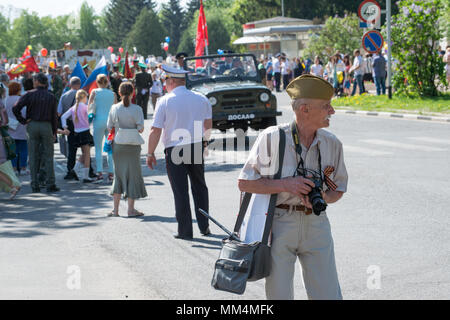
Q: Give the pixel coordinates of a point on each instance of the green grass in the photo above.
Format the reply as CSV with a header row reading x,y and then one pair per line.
x,y
398,104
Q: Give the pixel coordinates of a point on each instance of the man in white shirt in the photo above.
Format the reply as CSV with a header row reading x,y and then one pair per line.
x,y
184,118
277,71
357,68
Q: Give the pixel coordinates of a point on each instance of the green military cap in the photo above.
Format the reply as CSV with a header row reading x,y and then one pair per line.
x,y
85,66
142,65
310,87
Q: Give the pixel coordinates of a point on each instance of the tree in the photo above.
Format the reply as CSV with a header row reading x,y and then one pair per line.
x,y
88,32
171,17
26,30
146,34
120,16
218,34
341,34
4,34
415,37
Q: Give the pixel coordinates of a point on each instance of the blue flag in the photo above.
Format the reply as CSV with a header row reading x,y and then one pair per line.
x,y
78,72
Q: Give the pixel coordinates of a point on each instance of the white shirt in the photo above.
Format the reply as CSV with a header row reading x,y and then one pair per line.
x,y
156,87
276,65
358,62
181,115
317,70
285,68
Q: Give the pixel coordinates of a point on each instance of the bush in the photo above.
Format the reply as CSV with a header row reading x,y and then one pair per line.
x,y
415,39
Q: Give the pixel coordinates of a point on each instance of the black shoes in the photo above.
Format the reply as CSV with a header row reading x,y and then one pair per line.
x,y
53,188
178,236
71,175
207,232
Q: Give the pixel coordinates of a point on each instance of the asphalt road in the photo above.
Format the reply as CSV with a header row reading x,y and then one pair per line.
x,y
390,229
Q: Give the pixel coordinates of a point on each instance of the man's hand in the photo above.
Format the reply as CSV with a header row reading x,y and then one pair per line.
x,y
298,186
151,161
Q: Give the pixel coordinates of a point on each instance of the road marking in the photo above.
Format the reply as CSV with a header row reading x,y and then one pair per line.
x,y
366,151
401,145
431,140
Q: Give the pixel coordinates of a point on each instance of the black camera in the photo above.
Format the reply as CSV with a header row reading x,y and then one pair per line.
x,y
315,197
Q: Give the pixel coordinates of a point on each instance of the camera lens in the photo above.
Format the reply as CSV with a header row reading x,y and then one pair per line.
x,y
317,202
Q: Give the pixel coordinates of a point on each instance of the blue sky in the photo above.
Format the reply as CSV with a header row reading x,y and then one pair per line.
x,y
58,7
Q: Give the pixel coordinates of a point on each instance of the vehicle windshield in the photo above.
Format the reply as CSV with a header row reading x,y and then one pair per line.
x,y
221,68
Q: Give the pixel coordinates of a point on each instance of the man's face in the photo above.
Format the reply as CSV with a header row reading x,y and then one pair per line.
x,y
319,113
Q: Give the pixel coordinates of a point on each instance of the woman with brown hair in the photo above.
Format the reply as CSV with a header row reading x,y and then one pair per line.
x,y
100,103
83,137
127,119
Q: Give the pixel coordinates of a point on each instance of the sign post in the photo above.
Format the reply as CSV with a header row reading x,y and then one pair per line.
x,y
389,49
372,41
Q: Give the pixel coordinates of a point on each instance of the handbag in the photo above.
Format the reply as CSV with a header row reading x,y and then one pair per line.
x,y
128,136
240,262
9,143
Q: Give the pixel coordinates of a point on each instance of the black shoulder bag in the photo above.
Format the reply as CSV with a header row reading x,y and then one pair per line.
x,y
241,262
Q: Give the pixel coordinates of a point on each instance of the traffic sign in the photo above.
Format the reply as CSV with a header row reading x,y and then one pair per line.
x,y
369,11
372,41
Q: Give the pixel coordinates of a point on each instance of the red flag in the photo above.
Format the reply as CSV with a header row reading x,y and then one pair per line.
x,y
26,54
202,35
126,70
29,65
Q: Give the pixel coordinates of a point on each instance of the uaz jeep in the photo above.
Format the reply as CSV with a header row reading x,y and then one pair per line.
x,y
233,85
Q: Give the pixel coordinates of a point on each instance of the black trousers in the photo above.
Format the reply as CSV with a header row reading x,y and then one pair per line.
x,y
277,80
182,163
142,101
285,81
72,156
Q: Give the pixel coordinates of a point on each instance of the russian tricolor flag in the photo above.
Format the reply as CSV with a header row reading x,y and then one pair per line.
x,y
90,84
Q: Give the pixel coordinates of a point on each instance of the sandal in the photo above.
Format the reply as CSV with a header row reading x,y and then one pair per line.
x,y
110,177
112,214
14,191
135,213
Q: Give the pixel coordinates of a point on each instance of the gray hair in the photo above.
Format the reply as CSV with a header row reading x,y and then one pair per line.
x,y
75,81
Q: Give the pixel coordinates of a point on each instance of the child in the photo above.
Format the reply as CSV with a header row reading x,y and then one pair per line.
x,y
79,115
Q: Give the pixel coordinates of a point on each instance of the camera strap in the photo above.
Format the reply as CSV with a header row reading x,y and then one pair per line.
x,y
298,149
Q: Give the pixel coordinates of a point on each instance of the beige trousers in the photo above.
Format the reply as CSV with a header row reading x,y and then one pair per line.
x,y
308,237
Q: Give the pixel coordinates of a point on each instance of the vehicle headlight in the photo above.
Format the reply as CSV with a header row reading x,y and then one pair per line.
x,y
213,101
264,97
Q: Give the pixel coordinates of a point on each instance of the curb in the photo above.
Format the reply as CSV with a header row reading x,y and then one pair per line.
x,y
394,115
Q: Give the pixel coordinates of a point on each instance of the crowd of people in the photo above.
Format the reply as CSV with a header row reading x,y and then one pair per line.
x,y
37,110
344,72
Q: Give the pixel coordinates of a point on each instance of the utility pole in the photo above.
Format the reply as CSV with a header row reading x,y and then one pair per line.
x,y
389,53
282,8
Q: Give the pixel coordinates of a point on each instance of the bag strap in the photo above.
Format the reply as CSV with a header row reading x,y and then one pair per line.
x,y
273,198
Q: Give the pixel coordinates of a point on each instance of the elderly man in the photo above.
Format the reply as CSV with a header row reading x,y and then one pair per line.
x,y
297,231
41,118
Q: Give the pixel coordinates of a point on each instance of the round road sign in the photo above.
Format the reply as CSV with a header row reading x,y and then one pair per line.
x,y
369,11
372,41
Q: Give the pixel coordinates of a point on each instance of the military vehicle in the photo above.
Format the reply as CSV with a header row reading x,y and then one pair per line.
x,y
233,86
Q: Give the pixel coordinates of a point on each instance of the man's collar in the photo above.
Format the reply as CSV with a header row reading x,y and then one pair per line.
x,y
179,88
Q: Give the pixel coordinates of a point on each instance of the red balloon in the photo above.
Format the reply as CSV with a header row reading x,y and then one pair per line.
x,y
44,52
121,50
111,49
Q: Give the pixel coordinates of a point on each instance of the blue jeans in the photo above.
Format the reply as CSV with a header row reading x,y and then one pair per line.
x,y
380,84
21,160
358,81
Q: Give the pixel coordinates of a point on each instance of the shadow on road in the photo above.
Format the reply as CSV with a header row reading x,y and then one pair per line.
x,y
32,215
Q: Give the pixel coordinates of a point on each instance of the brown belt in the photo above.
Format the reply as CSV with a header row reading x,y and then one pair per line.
x,y
295,208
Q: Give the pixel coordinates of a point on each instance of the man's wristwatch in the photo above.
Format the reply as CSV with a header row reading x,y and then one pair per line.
x,y
150,155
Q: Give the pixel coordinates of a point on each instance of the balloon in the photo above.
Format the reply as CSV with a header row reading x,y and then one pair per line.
x,y
44,52
30,47
166,48
52,64
166,45
219,51
121,50
110,49
167,39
